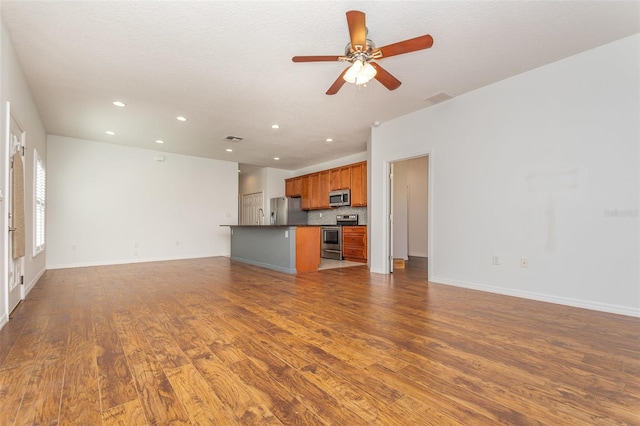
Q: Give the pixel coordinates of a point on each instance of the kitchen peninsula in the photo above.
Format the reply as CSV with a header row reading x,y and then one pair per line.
x,y
285,248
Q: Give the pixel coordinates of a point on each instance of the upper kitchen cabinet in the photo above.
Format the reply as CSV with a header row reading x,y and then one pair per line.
x,y
340,178
314,188
359,184
293,187
314,191
306,193
325,184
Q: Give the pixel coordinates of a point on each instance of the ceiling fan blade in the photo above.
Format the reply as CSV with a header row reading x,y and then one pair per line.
x,y
314,58
338,83
411,45
384,77
357,30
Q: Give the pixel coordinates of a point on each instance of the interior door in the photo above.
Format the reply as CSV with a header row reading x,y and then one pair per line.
x,y
252,210
15,198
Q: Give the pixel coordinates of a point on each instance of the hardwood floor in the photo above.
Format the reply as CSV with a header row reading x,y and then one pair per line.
x,y
210,341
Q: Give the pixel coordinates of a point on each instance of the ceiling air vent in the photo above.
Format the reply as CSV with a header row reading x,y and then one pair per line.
x,y
233,138
438,97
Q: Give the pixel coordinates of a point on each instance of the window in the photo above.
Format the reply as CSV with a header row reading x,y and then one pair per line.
x,y
39,204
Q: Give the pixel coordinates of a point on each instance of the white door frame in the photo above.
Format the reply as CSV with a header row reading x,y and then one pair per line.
x,y
390,216
15,267
389,210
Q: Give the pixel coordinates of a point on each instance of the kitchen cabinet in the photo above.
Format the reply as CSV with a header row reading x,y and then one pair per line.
x,y
314,191
305,203
307,248
293,187
323,191
359,184
314,188
340,178
354,243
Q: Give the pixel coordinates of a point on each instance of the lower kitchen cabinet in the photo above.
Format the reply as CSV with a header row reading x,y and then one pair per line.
x,y
354,243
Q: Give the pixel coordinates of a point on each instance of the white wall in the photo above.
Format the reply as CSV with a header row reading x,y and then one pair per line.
x,y
113,204
267,180
14,89
532,166
400,211
355,158
417,202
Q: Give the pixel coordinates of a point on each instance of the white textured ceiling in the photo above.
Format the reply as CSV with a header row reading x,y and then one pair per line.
x,y
226,66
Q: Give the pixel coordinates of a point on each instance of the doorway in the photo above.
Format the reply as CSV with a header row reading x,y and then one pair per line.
x,y
252,209
409,214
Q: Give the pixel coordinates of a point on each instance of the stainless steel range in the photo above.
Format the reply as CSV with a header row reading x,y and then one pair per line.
x,y
332,236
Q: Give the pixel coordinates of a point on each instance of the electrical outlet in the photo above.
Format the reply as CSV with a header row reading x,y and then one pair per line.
x,y
496,260
524,262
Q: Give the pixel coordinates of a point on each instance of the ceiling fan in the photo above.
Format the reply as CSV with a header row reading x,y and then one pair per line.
x,y
361,52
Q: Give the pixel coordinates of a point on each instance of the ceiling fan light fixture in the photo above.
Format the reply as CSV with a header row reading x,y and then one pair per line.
x,y
360,72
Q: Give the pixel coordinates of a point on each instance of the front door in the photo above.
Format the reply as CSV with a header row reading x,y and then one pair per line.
x,y
15,198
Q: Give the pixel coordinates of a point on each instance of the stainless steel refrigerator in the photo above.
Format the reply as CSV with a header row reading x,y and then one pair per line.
x,y
287,211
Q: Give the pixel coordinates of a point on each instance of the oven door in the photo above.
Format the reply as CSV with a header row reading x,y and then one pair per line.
x,y
331,247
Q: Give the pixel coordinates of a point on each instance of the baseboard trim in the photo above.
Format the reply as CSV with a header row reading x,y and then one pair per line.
x,y
542,297
33,282
129,261
4,319
265,265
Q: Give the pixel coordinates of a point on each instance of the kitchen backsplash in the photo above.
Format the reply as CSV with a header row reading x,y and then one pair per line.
x,y
329,216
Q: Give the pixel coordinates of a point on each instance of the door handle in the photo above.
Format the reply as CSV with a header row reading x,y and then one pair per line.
x,y
12,229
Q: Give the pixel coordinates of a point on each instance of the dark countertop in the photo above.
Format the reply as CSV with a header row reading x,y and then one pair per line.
x,y
271,226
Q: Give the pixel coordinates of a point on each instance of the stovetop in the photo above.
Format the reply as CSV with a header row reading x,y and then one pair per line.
x,y
346,219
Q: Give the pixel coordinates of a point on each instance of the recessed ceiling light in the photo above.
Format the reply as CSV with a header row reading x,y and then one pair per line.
x,y
181,118
229,150
328,140
275,126
111,133
276,158
159,141
119,104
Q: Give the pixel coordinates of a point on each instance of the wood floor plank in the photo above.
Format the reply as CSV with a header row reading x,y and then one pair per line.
x,y
199,400
127,414
80,402
116,382
212,341
228,387
13,385
158,399
41,404
289,409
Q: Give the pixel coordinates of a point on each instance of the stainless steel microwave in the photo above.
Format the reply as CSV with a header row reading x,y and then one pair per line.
x,y
339,198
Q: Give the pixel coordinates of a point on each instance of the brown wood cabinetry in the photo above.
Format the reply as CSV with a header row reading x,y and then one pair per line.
x,y
305,194
354,243
314,191
359,184
340,178
325,184
307,248
293,187
314,188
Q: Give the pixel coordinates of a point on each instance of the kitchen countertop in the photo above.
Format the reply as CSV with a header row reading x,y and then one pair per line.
x,y
270,226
